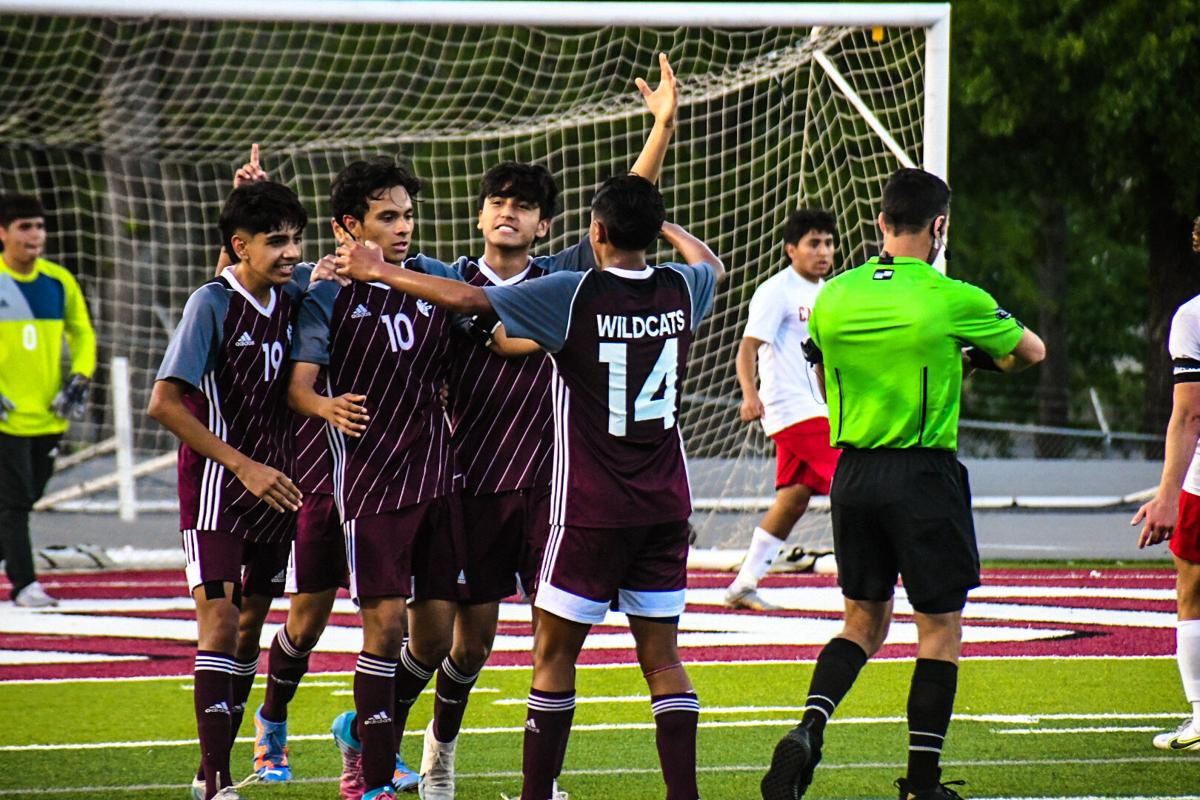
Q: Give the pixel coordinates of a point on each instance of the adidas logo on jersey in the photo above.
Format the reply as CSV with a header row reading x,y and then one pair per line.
x,y
424,307
378,718
462,577
281,577
360,312
244,340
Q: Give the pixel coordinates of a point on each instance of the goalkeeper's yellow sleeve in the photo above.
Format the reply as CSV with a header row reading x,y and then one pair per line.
x,y
36,311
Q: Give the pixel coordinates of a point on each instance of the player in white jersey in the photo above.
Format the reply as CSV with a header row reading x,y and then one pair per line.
x,y
1174,513
788,402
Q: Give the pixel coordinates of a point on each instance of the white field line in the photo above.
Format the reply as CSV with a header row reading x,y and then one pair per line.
x,y
430,691
1027,719
514,775
1105,729
771,662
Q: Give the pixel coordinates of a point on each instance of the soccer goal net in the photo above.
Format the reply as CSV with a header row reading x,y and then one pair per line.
x,y
128,120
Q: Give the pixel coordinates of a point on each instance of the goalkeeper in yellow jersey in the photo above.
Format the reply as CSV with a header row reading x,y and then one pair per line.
x,y
40,303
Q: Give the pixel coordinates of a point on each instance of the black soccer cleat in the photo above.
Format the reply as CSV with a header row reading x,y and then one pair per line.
x,y
939,791
792,765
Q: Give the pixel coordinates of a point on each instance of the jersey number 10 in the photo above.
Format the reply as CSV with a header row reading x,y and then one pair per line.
x,y
645,407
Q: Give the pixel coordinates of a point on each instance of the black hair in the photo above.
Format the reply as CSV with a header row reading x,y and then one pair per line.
x,y
19,206
632,210
799,223
531,183
913,199
363,181
260,207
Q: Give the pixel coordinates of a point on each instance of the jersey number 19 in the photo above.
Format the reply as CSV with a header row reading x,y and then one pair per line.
x,y
645,406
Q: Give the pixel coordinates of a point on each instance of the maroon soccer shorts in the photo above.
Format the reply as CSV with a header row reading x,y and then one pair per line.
x,y
640,570
417,552
803,455
260,568
1185,541
318,558
506,535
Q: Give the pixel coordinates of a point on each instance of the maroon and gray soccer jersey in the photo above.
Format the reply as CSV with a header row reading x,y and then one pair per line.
x,y
619,341
314,465
232,353
394,349
500,407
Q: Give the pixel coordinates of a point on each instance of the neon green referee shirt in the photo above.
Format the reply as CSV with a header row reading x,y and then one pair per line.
x,y
36,311
892,333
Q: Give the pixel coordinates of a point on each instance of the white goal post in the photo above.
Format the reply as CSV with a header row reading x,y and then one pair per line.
x,y
151,104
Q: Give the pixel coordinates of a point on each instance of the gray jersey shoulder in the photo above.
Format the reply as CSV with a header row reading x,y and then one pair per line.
x,y
192,352
539,309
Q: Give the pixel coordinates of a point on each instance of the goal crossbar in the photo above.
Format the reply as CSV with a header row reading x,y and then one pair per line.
x,y
491,12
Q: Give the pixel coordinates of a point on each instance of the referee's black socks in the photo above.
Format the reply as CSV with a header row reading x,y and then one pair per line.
x,y
930,704
836,670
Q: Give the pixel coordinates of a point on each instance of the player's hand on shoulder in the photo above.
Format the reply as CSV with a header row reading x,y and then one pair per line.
x,y
326,270
359,261
270,485
251,171
347,413
663,100
752,409
1159,517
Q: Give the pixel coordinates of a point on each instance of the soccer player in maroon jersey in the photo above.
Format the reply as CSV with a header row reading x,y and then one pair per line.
x,y
393,477
619,337
501,419
221,389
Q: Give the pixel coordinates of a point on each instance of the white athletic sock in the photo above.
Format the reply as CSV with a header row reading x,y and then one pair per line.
x,y
1187,653
764,547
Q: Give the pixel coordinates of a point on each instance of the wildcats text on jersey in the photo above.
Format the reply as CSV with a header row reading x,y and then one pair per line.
x,y
652,326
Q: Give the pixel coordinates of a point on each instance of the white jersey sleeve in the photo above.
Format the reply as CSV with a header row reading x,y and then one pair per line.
x,y
766,313
1184,346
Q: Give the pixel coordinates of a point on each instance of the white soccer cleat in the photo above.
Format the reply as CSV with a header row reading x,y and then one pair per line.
x,y
199,788
558,794
437,768
747,598
1185,737
34,596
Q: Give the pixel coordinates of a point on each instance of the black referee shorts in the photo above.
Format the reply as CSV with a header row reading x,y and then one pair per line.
x,y
907,513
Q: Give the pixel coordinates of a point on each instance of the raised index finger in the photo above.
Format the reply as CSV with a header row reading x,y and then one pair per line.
x,y
254,154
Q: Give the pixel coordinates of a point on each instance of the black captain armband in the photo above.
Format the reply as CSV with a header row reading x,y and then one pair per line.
x,y
481,328
812,353
981,360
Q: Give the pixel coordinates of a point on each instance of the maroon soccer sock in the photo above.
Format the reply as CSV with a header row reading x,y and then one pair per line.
x,y
411,678
374,685
547,728
213,692
675,719
930,704
286,666
450,700
243,682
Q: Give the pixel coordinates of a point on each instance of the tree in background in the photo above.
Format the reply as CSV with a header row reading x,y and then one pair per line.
x,y
1075,170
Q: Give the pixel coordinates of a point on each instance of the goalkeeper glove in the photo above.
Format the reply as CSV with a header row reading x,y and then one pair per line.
x,y
71,401
6,406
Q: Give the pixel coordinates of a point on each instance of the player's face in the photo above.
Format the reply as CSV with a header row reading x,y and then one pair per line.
x,y
511,223
389,223
812,256
268,259
24,239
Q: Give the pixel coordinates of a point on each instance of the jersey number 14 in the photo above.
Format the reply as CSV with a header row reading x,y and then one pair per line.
x,y
645,407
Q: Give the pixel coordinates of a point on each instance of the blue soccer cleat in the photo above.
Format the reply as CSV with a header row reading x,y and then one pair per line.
x,y
404,779
270,750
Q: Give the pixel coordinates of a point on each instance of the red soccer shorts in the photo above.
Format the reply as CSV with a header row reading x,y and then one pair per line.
x,y
1185,542
803,455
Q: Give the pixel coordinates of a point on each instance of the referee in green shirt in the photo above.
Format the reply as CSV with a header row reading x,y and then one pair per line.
x,y
893,339
40,306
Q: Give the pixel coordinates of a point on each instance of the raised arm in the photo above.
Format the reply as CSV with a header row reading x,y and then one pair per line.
x,y
663,103
271,485
250,172
692,249
364,262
